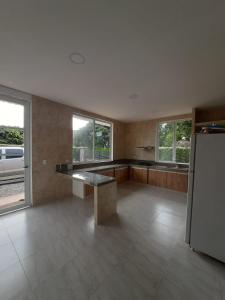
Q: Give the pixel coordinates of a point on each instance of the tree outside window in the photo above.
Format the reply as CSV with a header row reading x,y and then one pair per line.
x,y
174,141
91,140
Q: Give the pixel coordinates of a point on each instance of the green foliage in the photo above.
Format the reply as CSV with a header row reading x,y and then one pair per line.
x,y
102,136
11,135
166,136
84,138
182,155
165,154
183,130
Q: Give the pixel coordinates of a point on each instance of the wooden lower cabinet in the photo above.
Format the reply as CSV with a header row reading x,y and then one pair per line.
x,y
169,180
177,181
139,174
157,178
122,174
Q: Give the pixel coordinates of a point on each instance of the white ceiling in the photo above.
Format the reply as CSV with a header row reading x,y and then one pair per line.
x,y
170,53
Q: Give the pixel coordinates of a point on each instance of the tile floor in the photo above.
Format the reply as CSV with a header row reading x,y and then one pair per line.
x,y
55,252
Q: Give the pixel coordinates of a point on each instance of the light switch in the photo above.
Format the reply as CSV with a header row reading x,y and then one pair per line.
x,y
44,162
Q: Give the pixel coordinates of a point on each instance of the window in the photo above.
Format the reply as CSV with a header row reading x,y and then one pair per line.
x,y
92,139
174,141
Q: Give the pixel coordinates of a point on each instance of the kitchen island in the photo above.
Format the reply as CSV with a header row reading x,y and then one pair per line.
x,y
105,192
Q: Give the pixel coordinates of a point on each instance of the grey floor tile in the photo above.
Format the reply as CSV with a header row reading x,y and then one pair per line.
x,y
37,267
139,254
60,252
27,245
120,285
186,291
188,282
4,237
8,256
24,228
15,218
13,283
26,294
69,282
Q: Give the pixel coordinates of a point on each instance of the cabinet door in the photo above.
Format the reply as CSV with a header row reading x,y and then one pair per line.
x,y
139,174
177,182
121,174
157,178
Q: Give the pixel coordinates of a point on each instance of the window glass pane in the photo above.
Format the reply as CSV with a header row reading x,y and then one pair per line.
x,y
183,141
166,141
83,133
102,140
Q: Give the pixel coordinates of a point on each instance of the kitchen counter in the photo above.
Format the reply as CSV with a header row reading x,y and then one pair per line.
x,y
158,167
92,178
100,168
88,177
105,192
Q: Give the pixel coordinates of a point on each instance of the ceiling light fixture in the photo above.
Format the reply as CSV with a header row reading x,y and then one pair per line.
x,y
77,58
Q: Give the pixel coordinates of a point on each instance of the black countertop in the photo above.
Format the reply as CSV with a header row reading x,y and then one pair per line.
x,y
158,167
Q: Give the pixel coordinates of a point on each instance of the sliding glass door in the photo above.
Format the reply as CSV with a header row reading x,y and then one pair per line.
x,y
15,166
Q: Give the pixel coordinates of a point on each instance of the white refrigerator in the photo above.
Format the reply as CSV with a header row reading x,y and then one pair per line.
x,y
205,230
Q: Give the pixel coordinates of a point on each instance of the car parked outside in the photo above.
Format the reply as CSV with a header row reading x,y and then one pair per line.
x,y
11,162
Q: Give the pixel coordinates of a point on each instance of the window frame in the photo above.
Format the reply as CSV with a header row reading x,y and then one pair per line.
x,y
111,140
174,121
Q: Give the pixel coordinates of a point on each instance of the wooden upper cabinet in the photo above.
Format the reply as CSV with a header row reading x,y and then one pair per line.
x,y
139,174
170,180
122,174
204,116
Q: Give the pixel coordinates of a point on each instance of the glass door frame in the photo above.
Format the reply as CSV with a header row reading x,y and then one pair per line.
x,y
27,103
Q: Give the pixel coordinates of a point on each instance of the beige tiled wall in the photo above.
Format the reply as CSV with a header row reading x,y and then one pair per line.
x,y
140,134
52,141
